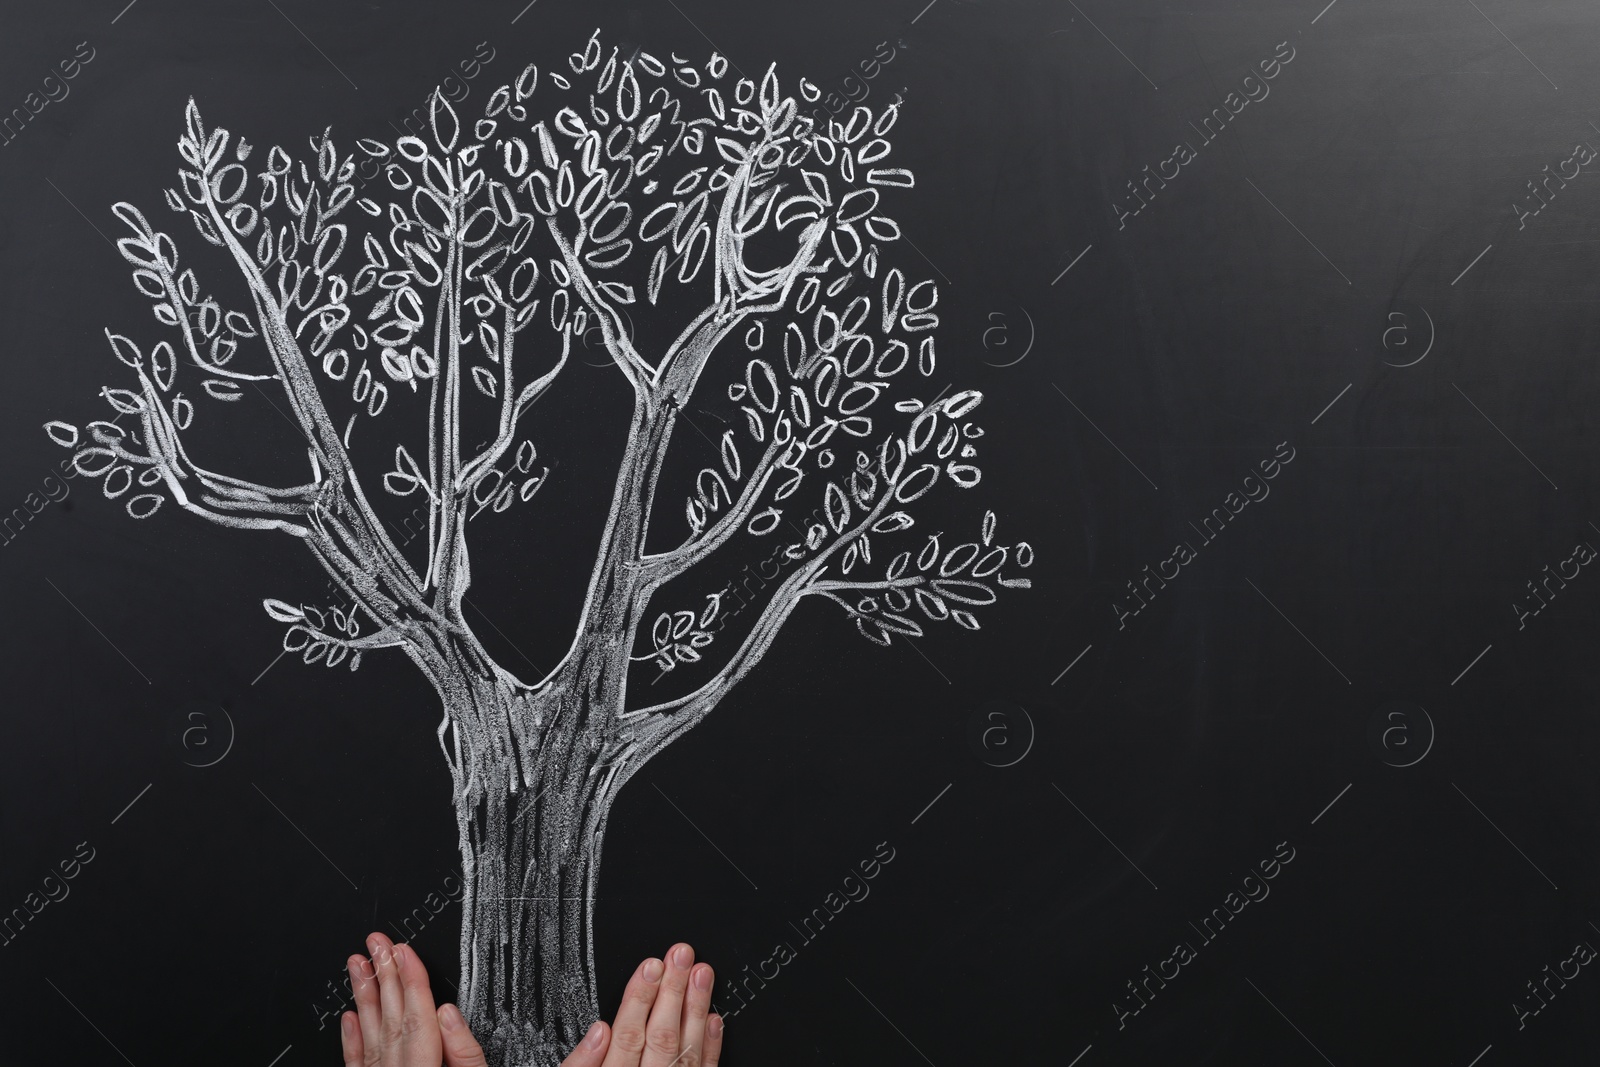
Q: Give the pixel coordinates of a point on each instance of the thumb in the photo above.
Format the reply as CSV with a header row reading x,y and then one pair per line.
x,y
591,1051
460,1048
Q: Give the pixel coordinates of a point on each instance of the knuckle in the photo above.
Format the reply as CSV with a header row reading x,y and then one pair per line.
x,y
411,1024
628,1038
662,1038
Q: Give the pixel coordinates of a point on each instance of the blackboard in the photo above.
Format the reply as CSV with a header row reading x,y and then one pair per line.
x,y
1278,749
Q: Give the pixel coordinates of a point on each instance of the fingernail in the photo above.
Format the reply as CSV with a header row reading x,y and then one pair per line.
x,y
714,1026
702,979
400,953
450,1017
682,956
347,1024
596,1034
651,971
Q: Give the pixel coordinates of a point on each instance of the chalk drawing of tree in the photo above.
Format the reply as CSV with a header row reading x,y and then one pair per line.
x,y
622,199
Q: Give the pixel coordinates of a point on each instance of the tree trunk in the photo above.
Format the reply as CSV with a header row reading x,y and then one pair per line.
x,y
533,792
528,985
536,771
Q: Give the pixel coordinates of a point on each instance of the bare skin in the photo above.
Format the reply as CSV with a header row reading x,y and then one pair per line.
x,y
664,1020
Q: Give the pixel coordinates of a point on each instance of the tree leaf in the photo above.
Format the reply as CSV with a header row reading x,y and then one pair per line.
x,y
62,433
446,126
282,611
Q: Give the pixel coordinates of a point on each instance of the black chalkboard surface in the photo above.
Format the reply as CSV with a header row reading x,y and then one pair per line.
x,y
1029,532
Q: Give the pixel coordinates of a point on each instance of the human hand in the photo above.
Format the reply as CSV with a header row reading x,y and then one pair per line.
x,y
395,1023
663,1020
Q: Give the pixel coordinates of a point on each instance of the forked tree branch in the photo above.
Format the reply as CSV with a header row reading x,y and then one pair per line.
x,y
512,407
664,722
633,366
662,567
376,549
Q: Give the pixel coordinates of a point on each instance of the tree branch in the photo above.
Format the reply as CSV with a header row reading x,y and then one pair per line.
x,y
387,637
627,358
344,555
186,328
681,367
686,357
512,407
447,517
306,403
662,567
664,722
228,501
897,583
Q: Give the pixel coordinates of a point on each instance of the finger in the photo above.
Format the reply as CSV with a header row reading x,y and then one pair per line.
x,y
350,1040
627,1032
590,1052
663,1034
713,1052
391,1000
696,1002
419,1025
364,987
461,1049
